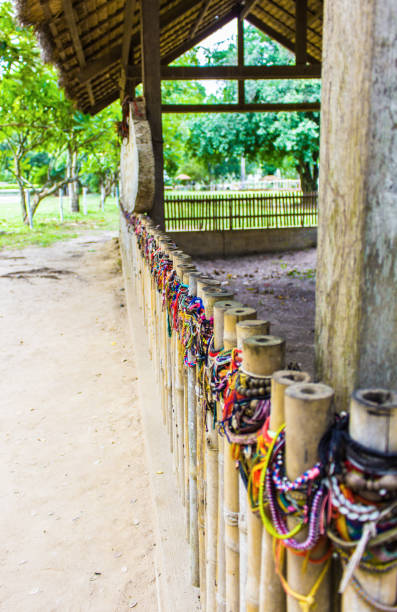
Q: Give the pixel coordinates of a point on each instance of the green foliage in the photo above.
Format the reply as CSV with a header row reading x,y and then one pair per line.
x,y
47,227
289,141
44,141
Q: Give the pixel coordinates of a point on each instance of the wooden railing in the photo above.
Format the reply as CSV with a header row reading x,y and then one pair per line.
x,y
239,211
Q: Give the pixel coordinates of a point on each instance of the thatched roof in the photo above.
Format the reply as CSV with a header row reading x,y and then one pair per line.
x,y
84,38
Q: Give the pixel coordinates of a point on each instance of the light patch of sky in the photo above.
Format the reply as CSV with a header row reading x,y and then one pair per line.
x,y
220,36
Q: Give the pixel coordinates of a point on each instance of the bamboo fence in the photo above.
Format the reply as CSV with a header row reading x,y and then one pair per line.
x,y
278,488
239,211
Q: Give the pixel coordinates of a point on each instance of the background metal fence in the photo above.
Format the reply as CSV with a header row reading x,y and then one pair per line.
x,y
239,211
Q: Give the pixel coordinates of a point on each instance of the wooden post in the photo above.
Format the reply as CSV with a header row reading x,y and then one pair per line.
x,y
240,59
271,594
245,329
357,234
150,50
60,194
373,423
308,414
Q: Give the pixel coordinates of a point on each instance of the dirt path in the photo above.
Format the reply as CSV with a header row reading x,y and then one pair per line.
x,y
281,286
77,529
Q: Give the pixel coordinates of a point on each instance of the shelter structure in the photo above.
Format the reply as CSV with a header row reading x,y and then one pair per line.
x,y
104,48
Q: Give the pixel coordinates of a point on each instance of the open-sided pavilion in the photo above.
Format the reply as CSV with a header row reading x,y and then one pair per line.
x,y
103,49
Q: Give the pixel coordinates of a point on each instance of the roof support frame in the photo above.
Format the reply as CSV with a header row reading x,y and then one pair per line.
x,y
151,78
300,31
129,13
242,108
78,47
233,73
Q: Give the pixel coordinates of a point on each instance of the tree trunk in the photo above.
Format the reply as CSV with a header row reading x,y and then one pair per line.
x,y
22,196
308,174
73,186
103,197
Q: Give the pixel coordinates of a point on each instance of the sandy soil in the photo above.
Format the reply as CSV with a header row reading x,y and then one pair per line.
x,y
77,524
282,289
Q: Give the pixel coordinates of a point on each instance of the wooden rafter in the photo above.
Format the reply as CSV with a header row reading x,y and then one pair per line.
x,y
71,21
189,44
247,8
277,36
199,21
129,14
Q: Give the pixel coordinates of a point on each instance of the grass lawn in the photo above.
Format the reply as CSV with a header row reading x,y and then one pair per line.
x,y
47,226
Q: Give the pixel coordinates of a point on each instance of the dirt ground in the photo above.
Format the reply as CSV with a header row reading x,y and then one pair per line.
x,y
77,525
281,287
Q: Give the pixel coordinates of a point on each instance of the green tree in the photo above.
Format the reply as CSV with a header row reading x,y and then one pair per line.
x,y
268,139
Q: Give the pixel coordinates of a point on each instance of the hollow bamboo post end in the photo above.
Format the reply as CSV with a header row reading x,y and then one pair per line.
x,y
263,355
230,320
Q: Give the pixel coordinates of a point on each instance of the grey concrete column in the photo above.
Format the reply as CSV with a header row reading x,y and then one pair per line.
x,y
356,313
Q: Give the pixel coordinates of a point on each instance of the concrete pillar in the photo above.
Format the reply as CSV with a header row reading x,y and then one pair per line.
x,y
356,314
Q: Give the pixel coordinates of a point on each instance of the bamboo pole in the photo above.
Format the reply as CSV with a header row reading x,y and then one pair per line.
x,y
180,264
219,311
271,594
185,271
231,318
192,424
178,258
262,355
308,414
246,329
201,285
231,478
373,423
211,296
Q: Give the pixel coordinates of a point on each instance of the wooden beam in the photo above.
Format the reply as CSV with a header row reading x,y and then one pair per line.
x,y
103,63
103,103
129,13
277,36
113,55
247,8
291,17
233,73
200,18
151,78
300,31
242,108
240,59
71,21
189,44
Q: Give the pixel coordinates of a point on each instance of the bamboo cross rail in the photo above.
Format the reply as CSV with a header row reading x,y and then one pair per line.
x,y
272,480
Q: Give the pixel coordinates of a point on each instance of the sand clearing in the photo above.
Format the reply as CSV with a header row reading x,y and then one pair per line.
x,y
77,522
